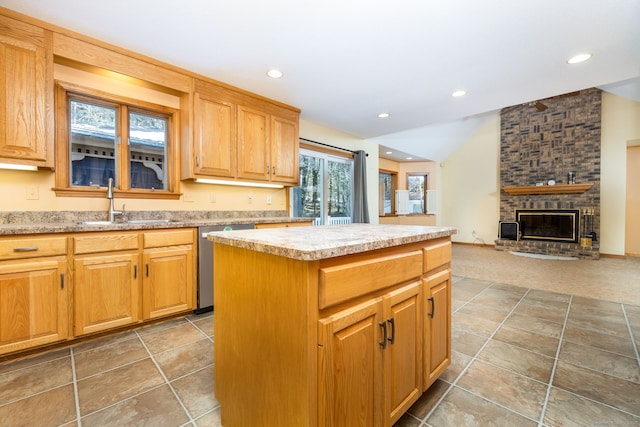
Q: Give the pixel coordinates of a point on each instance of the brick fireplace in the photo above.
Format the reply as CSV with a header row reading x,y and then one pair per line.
x,y
541,145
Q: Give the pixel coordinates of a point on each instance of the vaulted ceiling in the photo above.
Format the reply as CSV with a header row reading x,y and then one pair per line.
x,y
346,61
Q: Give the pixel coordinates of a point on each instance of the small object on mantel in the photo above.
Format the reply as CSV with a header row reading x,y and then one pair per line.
x,y
551,182
539,184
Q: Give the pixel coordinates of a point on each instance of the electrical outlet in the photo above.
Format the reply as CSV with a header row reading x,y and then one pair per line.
x,y
212,197
32,192
250,197
269,201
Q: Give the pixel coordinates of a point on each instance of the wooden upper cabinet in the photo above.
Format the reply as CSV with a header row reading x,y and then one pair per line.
x,y
284,150
214,137
253,144
238,136
24,73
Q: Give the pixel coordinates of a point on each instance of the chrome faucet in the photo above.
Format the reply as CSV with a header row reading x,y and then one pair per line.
x,y
112,212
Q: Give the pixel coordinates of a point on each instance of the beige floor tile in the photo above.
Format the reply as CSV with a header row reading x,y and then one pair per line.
x,y
482,312
107,388
50,408
529,340
429,399
211,419
598,386
540,312
156,327
623,367
534,324
157,407
604,322
459,361
168,338
497,300
461,408
567,409
519,360
186,359
18,384
517,291
474,324
546,299
18,363
109,357
407,421
599,340
513,391
466,342
205,324
104,341
196,391
473,285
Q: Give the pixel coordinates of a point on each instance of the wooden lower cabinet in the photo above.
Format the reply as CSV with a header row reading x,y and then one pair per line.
x,y
106,291
437,343
379,344
34,297
167,285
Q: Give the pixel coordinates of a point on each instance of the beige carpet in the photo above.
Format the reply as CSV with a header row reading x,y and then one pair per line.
x,y
609,279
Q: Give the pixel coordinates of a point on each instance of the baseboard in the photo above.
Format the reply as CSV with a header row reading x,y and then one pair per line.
x,y
481,245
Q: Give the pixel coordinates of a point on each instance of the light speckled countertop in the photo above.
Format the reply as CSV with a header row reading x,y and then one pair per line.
x,y
328,241
25,228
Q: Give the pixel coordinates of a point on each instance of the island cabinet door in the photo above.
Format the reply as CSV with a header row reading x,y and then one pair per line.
x,y
403,352
437,342
350,367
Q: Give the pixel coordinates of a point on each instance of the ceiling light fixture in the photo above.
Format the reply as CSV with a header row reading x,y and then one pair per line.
x,y
459,93
579,58
389,152
383,115
274,73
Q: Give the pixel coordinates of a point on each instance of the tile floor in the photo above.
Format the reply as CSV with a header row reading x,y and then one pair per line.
x,y
521,357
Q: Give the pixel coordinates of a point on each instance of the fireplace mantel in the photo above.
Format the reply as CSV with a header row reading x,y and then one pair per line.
x,y
519,190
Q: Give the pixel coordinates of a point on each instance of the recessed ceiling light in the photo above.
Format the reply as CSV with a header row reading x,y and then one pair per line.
x,y
409,158
389,152
383,115
579,58
274,74
459,93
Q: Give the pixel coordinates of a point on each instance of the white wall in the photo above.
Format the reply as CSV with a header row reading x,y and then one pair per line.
x,y
336,138
469,194
620,124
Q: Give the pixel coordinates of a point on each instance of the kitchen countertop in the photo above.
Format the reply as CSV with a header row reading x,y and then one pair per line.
x,y
327,241
76,227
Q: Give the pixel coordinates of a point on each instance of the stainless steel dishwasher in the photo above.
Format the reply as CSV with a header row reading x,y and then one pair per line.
x,y
205,263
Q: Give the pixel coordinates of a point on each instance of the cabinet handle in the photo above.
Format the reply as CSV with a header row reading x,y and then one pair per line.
x,y
30,249
274,171
383,343
433,307
147,268
198,161
135,271
391,320
61,280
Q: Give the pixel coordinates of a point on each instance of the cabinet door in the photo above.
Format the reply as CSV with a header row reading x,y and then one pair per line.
x,y
350,367
253,144
284,151
33,303
437,350
106,291
214,137
23,87
169,281
403,355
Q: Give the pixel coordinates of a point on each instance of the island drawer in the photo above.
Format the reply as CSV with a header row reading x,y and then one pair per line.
x,y
343,282
31,247
105,242
437,255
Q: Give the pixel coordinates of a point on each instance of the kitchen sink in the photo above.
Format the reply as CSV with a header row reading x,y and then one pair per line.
x,y
150,221
95,223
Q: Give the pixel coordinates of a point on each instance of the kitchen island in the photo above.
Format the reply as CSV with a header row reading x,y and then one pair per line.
x,y
331,325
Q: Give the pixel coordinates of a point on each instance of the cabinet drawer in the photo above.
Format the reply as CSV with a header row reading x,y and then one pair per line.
x,y
104,242
343,282
159,239
30,247
436,255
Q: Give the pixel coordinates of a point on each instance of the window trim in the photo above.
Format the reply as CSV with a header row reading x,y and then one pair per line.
x,y
63,188
394,187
